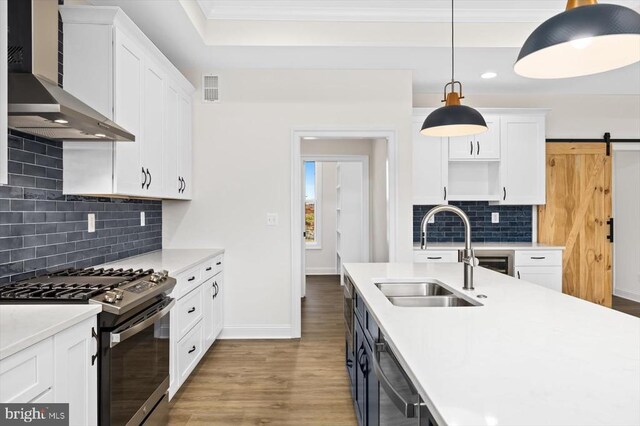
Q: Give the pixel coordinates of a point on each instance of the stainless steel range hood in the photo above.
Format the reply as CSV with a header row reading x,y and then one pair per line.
x,y
37,105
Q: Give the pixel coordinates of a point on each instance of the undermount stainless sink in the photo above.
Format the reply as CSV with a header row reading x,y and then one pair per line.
x,y
431,301
425,293
425,288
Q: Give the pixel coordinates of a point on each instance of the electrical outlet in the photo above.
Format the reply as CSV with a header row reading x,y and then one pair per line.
x,y
143,220
495,217
272,219
432,219
91,222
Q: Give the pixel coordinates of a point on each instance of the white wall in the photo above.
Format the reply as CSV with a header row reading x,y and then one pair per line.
x,y
571,116
376,150
323,260
626,198
242,167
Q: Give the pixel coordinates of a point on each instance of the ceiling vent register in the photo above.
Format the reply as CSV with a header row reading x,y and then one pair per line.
x,y
210,90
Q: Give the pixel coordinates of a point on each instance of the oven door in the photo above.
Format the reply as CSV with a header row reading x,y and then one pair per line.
x,y
135,369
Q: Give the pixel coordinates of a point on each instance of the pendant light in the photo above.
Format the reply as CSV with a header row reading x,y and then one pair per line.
x,y
587,38
453,119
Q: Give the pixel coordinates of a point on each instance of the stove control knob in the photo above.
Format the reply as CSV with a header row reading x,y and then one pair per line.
x,y
110,297
119,294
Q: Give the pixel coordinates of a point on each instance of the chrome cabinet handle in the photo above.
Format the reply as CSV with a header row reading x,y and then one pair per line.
x,y
149,183
193,348
504,193
471,145
145,178
124,335
478,150
95,336
408,409
193,309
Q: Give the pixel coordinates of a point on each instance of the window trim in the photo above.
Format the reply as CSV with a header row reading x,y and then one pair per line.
x,y
317,243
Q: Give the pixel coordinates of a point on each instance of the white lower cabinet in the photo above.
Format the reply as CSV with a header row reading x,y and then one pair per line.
x,y
196,320
76,371
60,369
540,267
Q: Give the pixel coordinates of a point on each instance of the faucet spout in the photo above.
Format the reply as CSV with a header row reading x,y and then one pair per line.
x,y
468,257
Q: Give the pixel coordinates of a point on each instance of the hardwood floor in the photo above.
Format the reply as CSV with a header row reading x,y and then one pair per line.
x,y
279,382
627,306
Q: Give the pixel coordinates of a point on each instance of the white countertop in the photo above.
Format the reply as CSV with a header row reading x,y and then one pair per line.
x,y
173,260
24,325
489,246
529,356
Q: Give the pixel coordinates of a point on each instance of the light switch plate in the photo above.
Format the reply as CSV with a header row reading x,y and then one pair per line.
x,y
91,222
272,219
495,217
143,220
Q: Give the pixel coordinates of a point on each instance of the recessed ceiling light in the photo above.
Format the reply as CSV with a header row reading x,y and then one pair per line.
x,y
101,135
489,75
60,121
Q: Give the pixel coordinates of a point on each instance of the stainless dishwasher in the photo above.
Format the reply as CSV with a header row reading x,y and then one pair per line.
x,y
400,403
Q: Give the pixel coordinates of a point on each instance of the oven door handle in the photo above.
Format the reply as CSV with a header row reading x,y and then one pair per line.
x,y
121,337
408,409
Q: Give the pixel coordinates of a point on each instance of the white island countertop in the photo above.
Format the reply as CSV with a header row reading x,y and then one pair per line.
x,y
24,325
528,356
489,246
173,260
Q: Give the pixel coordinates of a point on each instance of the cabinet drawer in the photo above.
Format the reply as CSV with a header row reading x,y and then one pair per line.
x,y
190,351
211,267
435,256
187,281
538,258
189,311
27,374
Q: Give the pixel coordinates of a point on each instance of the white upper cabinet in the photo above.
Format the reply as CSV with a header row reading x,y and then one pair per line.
x,y
504,165
522,169
429,167
111,65
3,94
484,146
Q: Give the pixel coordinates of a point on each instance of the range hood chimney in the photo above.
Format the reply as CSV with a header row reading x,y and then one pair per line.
x,y
36,104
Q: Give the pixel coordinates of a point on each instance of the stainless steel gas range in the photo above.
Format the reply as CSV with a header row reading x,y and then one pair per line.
x,y
133,334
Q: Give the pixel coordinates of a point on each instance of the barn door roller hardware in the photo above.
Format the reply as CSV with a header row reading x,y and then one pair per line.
x,y
606,139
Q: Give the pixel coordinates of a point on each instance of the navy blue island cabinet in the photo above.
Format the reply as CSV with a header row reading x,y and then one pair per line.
x,y
395,401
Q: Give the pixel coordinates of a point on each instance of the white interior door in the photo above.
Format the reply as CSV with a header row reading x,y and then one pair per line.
x,y
626,211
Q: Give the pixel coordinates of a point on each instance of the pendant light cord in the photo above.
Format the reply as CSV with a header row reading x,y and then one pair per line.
x,y
452,44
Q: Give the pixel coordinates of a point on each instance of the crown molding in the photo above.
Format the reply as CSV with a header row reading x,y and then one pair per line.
x,y
467,11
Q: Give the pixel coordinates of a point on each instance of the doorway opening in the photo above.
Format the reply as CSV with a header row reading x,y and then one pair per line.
x,y
343,192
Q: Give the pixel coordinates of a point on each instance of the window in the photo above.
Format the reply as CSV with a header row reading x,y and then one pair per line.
x,y
312,173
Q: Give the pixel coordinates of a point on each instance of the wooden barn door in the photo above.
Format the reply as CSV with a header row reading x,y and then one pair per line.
x,y
576,216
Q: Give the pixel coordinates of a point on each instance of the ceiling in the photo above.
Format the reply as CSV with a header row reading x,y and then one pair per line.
x,y
373,34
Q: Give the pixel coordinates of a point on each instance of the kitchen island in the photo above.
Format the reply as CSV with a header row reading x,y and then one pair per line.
x,y
526,356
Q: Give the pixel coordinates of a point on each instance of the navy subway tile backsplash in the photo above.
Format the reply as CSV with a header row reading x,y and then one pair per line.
x,y
41,229
515,223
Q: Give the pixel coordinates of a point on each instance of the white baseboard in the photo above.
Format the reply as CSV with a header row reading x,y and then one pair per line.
x,y
256,332
627,295
327,270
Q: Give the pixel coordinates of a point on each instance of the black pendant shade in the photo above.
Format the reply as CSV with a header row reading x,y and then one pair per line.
x,y
453,120
581,41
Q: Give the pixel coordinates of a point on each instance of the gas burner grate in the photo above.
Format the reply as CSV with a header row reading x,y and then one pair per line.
x,y
128,274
